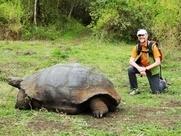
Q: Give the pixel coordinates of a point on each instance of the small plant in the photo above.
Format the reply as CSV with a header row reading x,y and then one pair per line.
x,y
61,54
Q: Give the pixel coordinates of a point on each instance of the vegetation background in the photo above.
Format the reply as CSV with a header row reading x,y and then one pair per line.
x,y
36,34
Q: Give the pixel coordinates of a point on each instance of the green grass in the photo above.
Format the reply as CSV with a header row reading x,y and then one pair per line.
x,y
142,115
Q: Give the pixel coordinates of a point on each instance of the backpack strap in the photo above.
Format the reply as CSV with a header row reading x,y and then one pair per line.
x,y
151,45
138,48
149,48
139,53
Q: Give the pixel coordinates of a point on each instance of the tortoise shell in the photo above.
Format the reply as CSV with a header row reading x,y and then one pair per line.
x,y
68,83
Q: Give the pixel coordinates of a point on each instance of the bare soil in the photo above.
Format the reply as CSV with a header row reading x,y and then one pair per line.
x,y
123,116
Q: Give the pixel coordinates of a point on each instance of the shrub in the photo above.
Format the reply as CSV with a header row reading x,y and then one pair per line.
x,y
10,18
120,19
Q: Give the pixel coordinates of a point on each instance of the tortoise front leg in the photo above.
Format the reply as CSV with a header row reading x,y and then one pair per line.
x,y
98,107
22,102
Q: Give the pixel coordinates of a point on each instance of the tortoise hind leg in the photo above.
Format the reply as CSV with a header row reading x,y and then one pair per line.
x,y
22,102
98,107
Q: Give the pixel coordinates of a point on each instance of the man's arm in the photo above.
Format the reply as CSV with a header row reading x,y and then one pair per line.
x,y
133,63
156,63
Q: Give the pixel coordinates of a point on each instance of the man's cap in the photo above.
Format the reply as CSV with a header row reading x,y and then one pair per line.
x,y
142,31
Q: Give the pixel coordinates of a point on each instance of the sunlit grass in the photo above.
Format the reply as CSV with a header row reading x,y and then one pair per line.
x,y
24,58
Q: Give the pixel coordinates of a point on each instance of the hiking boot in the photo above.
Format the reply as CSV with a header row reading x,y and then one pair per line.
x,y
134,92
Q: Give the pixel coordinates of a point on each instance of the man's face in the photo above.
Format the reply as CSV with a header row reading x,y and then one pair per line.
x,y
142,38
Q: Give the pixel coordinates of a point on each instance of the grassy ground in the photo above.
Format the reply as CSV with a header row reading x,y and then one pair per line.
x,y
142,115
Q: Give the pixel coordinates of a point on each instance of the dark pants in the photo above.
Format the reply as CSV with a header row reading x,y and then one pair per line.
x,y
154,80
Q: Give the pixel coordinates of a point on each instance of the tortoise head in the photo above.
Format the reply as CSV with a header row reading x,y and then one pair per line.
x,y
14,81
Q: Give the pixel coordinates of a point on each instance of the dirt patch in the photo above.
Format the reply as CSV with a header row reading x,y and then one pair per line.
x,y
135,115
159,115
4,122
42,124
115,121
7,34
178,58
25,53
172,103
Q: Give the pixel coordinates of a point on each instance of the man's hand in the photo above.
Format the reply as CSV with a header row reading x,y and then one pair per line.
x,y
142,71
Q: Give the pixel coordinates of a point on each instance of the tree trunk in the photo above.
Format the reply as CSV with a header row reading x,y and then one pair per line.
x,y
71,9
35,12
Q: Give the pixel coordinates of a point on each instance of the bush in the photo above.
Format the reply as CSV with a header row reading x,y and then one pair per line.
x,y
110,19
41,33
121,19
10,19
52,31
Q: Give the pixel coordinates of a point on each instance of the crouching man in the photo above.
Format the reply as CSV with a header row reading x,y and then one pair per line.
x,y
145,60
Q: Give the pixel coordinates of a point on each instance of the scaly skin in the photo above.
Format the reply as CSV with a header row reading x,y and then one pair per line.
x,y
98,107
15,81
22,102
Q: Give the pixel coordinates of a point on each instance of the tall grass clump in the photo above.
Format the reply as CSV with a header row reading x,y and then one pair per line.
x,y
53,31
10,18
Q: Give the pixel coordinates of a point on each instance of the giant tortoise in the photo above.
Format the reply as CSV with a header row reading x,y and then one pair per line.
x,y
68,88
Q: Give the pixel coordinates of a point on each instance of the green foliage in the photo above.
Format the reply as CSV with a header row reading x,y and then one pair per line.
x,y
165,21
177,34
53,31
77,9
48,12
110,19
18,16
61,54
42,33
11,12
10,15
121,19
